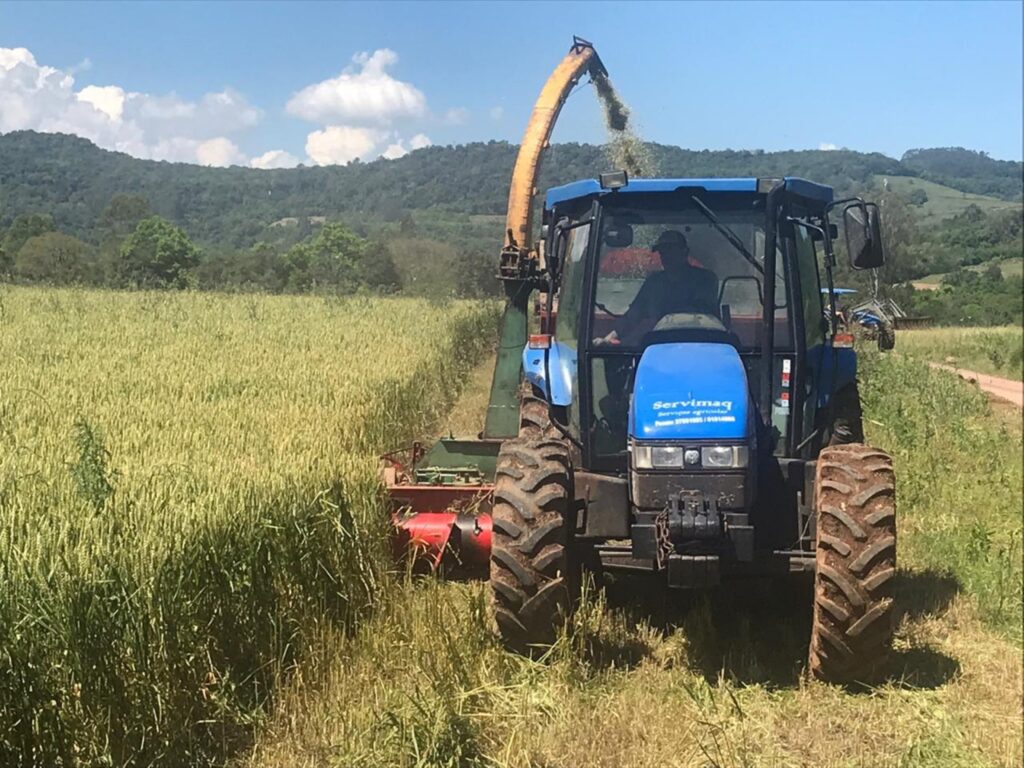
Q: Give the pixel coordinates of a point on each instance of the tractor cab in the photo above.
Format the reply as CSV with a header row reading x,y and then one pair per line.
x,y
689,356
682,262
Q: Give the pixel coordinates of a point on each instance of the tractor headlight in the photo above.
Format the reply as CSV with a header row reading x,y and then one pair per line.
x,y
657,456
667,456
680,457
724,456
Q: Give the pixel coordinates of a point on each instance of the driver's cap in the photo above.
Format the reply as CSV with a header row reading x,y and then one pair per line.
x,y
671,237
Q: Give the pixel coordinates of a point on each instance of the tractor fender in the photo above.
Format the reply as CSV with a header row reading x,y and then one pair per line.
x,y
552,371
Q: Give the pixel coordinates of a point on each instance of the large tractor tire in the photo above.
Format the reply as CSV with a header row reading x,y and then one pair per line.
x,y
533,579
856,562
847,418
535,418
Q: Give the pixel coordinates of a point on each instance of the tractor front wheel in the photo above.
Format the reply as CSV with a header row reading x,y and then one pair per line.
x,y
856,562
533,577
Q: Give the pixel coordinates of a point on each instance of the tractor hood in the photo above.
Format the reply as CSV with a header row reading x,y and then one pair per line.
x,y
690,391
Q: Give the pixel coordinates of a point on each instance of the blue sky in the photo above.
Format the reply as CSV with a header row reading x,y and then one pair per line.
x,y
315,82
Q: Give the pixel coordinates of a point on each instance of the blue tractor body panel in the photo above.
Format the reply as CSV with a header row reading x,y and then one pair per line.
x,y
690,391
552,371
843,368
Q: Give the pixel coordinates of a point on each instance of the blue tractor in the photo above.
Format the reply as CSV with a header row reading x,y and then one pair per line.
x,y
692,412
683,406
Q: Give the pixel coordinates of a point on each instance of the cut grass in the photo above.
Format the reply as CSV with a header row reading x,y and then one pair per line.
x,y
644,677
997,351
466,419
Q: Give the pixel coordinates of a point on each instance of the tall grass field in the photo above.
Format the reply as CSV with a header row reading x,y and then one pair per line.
x,y
192,554
996,351
646,677
188,499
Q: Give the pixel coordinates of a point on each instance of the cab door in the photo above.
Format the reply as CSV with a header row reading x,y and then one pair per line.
x,y
813,322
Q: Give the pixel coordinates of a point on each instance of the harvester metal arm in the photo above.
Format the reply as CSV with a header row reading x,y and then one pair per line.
x,y
582,58
519,266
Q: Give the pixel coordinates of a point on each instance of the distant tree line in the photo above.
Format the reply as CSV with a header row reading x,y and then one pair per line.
x,y
427,224
137,249
72,180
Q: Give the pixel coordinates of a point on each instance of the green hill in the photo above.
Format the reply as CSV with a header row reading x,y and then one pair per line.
x,y
942,202
966,170
73,180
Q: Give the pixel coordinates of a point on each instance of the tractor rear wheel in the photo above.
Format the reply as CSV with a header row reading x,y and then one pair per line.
x,y
856,562
886,337
847,418
533,577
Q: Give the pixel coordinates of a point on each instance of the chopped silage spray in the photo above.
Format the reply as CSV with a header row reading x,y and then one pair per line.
x,y
624,149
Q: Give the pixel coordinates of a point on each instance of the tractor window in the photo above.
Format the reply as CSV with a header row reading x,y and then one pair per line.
x,y
670,266
810,287
571,291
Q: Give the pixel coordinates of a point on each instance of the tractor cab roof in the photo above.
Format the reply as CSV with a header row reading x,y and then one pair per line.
x,y
817,195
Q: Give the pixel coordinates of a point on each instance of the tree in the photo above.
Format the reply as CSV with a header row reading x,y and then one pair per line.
x,y
899,232
123,214
331,258
157,255
56,258
377,268
918,197
23,228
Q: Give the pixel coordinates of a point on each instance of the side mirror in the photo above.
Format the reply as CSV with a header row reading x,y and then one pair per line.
x,y
619,236
863,230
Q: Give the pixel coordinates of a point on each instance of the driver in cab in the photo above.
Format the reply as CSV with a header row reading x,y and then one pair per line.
x,y
679,287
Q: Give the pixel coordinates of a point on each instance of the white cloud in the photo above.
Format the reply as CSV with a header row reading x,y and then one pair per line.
x,y
42,98
107,99
456,116
275,158
827,147
497,113
364,94
220,152
340,144
398,149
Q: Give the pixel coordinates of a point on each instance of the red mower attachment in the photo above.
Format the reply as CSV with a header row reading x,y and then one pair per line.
x,y
441,514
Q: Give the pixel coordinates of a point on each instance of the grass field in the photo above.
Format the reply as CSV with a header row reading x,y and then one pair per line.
x,y
943,202
996,351
647,679
192,535
188,499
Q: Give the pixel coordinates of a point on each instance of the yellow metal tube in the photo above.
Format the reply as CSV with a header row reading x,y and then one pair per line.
x,y
523,186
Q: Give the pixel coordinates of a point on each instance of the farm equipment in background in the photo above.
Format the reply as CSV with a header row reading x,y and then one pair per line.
x,y
682,409
877,318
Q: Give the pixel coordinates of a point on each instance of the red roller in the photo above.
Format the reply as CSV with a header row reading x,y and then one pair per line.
x,y
452,539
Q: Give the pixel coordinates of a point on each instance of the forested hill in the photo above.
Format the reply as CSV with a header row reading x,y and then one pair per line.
x,y
72,180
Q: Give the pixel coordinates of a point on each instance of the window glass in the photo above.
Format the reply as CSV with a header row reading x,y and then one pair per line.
x,y
571,293
662,269
811,296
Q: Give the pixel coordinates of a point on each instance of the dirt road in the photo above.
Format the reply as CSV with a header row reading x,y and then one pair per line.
x,y
1005,389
